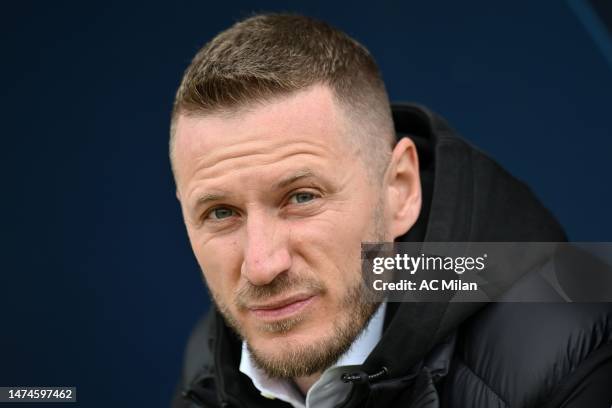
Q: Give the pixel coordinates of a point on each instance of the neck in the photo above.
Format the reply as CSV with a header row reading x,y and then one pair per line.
x,y
304,383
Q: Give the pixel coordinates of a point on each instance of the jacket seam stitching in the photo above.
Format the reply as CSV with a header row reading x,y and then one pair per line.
x,y
559,387
483,381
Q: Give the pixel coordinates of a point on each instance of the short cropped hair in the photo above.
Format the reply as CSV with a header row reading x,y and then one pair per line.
x,y
272,55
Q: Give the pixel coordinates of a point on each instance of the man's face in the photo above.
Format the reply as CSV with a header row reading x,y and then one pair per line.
x,y
277,202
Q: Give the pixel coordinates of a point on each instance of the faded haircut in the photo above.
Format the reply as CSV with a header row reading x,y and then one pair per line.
x,y
273,55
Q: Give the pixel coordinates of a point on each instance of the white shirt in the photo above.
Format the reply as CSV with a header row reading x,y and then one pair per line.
x,y
329,390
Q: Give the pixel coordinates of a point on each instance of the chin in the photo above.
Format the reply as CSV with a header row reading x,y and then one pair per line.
x,y
273,342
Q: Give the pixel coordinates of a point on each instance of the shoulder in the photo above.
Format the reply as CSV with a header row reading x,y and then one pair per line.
x,y
198,355
521,354
197,376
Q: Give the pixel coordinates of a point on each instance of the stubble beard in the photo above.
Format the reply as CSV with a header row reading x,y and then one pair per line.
x,y
292,359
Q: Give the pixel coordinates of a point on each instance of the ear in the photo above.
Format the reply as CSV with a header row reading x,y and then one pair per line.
x,y
403,188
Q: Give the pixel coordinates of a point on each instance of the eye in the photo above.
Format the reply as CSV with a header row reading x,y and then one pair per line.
x,y
302,197
220,213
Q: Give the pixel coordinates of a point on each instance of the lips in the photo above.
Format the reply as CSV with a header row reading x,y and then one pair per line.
x,y
282,308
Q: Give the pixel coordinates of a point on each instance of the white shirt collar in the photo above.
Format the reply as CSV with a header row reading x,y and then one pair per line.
x,y
285,391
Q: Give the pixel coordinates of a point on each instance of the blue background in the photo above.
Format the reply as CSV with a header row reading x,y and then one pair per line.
x,y
99,286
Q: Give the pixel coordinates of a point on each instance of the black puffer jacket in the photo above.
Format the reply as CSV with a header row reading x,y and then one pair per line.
x,y
450,354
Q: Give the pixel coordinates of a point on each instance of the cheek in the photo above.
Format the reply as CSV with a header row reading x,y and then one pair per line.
x,y
220,262
351,228
331,245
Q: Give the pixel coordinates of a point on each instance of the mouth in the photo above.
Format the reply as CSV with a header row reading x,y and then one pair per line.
x,y
282,308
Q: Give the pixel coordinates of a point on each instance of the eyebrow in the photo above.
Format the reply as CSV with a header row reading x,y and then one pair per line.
x,y
207,198
299,175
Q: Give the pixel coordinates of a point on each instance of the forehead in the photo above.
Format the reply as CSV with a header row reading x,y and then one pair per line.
x,y
310,119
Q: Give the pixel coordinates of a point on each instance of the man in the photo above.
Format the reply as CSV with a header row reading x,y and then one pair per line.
x,y
287,157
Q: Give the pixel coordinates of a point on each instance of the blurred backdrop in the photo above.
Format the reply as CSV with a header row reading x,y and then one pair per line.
x,y
99,286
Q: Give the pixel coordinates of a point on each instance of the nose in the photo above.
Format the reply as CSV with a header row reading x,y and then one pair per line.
x,y
266,251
